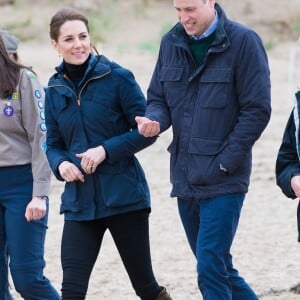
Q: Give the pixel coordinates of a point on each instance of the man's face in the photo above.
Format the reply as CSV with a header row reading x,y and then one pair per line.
x,y
195,15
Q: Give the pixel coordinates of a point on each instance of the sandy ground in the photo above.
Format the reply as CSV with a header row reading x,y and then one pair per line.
x,y
265,249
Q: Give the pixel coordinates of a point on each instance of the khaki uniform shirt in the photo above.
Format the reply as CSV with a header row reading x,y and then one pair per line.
x,y
23,131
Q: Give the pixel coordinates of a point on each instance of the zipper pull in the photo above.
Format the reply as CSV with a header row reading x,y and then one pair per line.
x,y
78,102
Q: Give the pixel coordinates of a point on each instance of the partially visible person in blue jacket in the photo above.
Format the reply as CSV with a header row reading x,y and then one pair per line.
x,y
24,178
211,83
91,104
288,158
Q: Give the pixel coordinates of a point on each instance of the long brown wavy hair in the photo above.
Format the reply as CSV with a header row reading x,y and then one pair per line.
x,y
9,72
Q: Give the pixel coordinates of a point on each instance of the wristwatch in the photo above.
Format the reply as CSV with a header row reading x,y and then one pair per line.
x,y
43,197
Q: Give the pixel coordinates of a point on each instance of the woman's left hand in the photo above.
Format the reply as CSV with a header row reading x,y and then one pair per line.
x,y
91,158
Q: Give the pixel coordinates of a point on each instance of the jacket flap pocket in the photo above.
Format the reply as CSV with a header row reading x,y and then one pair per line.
x,y
172,147
221,74
205,146
171,73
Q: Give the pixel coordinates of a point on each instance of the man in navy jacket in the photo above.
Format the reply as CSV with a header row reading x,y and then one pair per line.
x,y
211,83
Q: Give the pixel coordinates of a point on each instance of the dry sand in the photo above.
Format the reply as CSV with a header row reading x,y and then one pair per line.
x,y
265,249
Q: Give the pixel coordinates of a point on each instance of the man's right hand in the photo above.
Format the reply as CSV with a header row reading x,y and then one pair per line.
x,y
147,127
295,183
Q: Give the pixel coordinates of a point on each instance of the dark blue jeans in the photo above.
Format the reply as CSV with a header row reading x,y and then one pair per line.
x,y
210,226
81,244
8,295
4,284
24,240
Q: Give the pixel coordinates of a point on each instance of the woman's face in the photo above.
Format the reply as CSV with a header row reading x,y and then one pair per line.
x,y
73,42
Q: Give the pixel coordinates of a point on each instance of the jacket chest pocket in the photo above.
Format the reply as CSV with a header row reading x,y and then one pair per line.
x,y
173,87
214,87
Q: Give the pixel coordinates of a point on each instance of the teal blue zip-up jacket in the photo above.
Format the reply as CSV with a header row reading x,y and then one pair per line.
x,y
101,111
217,110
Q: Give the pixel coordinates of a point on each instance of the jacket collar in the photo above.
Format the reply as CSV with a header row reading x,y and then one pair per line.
x,y
178,35
296,113
98,65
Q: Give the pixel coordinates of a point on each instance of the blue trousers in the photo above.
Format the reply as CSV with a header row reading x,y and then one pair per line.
x,y
210,226
4,271
24,240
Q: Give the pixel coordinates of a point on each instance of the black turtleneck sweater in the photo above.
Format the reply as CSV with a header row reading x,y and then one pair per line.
x,y
76,72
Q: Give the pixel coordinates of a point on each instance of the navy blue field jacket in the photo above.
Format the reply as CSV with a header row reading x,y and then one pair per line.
x,y
217,110
110,99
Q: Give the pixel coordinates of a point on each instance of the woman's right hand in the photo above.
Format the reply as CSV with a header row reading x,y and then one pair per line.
x,y
70,172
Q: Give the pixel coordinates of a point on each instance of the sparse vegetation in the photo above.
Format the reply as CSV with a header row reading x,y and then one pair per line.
x,y
270,45
109,19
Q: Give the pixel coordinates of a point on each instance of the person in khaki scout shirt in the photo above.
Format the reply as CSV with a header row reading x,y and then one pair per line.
x,y
24,177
